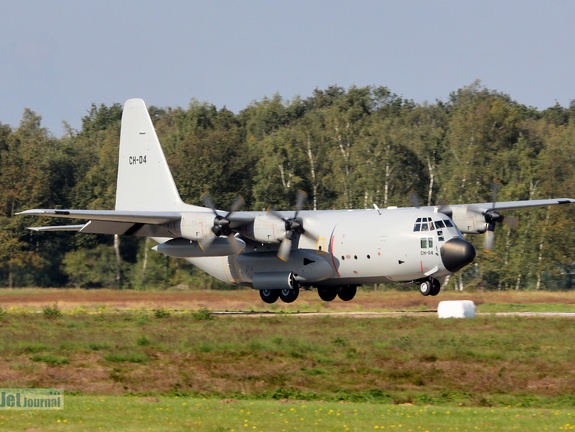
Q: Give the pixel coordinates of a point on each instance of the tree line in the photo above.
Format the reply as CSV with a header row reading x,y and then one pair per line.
x,y
348,148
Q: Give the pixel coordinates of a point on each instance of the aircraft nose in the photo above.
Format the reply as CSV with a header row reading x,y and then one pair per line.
x,y
456,254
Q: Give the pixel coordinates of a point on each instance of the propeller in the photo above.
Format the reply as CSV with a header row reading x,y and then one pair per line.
x,y
492,218
293,227
221,226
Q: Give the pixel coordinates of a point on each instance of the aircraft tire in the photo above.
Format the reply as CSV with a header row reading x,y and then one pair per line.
x,y
269,296
435,287
289,295
425,287
347,293
327,294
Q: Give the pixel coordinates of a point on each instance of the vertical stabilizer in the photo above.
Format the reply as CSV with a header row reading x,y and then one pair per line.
x,y
144,178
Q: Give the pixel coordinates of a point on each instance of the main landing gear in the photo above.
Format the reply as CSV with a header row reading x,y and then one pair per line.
x,y
289,295
429,287
345,293
286,295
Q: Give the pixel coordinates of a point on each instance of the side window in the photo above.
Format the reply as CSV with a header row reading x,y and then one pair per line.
x,y
426,242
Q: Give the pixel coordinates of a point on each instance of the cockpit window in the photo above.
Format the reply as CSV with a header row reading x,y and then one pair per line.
x,y
427,224
424,224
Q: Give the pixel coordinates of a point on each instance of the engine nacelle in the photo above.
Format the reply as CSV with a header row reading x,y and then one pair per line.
x,y
274,280
307,266
265,229
469,220
194,226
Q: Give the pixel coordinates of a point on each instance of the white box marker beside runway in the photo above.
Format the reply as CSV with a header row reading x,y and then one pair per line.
x,y
456,309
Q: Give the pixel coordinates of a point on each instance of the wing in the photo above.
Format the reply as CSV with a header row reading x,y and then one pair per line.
x,y
478,218
457,211
510,205
108,221
140,223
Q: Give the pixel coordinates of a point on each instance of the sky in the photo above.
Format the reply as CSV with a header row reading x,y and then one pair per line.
x,y
57,58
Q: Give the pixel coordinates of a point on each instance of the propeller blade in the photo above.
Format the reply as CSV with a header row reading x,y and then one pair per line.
x,y
236,245
238,203
293,226
444,208
284,249
511,221
207,240
310,235
221,224
495,188
208,202
489,240
414,198
300,200
274,213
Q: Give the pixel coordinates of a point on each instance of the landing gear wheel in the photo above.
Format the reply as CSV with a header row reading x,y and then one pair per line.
x,y
347,293
435,287
289,295
327,294
269,296
425,287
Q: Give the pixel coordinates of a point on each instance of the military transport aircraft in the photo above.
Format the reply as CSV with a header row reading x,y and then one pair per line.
x,y
276,252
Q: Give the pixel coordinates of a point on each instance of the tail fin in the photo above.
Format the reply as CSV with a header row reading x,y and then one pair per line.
x,y
144,178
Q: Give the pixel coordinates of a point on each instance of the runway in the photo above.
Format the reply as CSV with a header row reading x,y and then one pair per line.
x,y
424,313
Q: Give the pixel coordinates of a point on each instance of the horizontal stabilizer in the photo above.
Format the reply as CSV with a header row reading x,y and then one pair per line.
x,y
146,217
58,228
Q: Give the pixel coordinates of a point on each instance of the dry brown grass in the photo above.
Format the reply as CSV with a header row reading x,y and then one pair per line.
x,y
473,361
246,299
93,348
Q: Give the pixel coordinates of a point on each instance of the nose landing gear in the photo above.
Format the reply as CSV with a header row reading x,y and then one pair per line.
x,y
429,287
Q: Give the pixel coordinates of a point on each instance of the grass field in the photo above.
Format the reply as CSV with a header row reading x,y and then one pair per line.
x,y
165,361
117,413
308,301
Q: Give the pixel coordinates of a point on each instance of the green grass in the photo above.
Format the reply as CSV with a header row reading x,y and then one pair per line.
x,y
176,370
50,359
486,361
526,307
126,357
96,413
